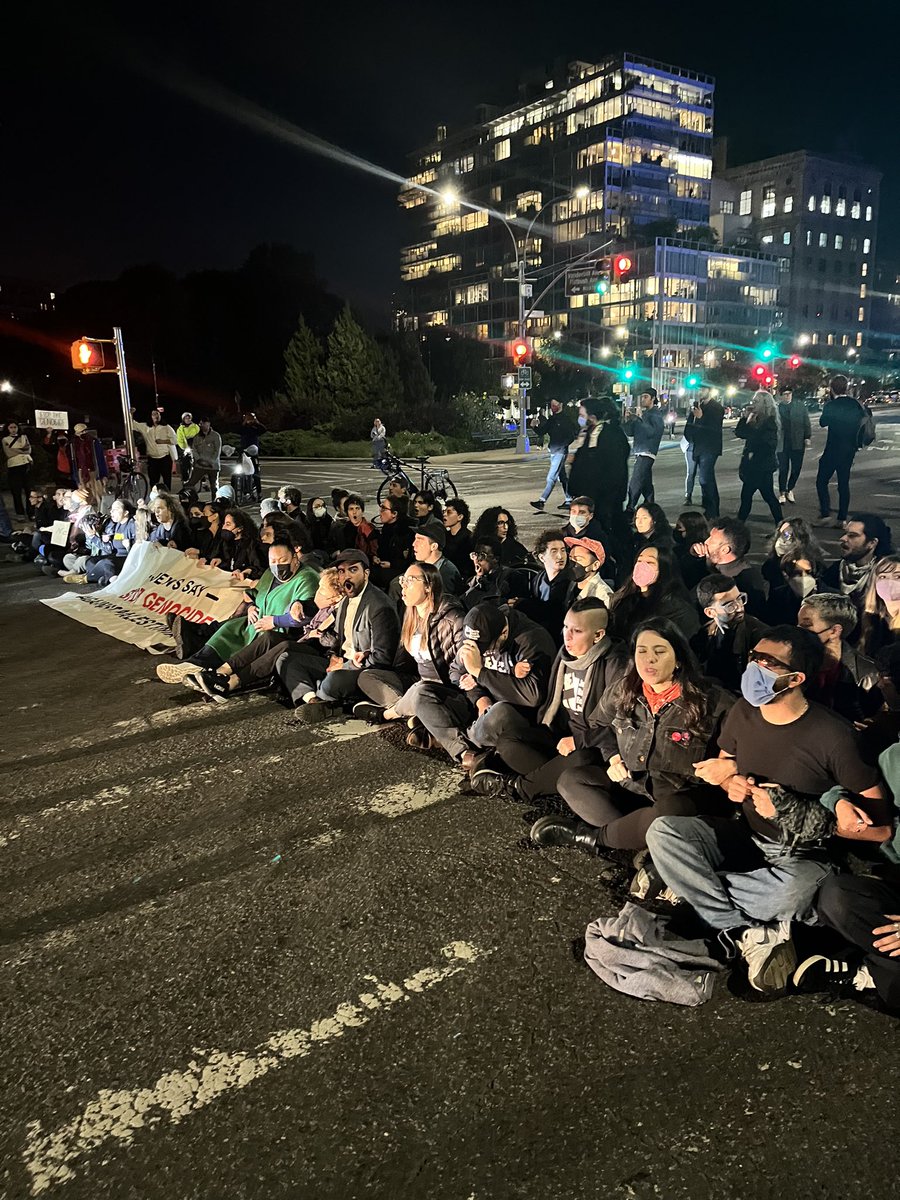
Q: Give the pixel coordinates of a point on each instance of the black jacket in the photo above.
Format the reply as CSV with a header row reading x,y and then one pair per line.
x,y
394,546
527,642
445,633
607,672
724,657
795,426
855,694
376,630
842,417
560,429
705,432
459,550
748,578
547,601
497,585
760,457
634,608
600,466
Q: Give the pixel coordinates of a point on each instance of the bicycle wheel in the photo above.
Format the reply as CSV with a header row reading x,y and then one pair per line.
x,y
442,485
134,487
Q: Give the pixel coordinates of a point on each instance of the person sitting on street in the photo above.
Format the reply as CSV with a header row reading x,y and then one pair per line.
x,y
428,547
586,559
430,638
290,500
794,533
498,522
425,509
365,634
80,514
501,670
847,682
583,523
490,581
723,646
357,533
171,528
880,620
588,665
801,575
116,539
243,555
726,551
660,719
651,527
747,879
394,548
339,520
691,529
864,541
319,521
460,544
548,590
653,592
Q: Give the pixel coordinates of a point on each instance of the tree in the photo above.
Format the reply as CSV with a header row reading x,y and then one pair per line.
x,y
359,379
303,382
416,387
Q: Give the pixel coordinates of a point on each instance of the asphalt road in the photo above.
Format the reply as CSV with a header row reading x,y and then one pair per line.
x,y
243,958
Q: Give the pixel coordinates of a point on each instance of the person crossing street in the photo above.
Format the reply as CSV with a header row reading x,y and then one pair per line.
x,y
560,430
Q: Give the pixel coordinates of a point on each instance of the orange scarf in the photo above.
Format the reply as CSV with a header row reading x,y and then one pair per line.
x,y
658,700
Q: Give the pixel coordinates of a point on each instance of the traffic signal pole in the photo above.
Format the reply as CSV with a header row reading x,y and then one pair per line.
x,y
123,391
522,443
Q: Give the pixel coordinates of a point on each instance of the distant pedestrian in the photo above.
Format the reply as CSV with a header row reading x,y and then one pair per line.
x,y
704,431
842,416
690,468
645,424
17,454
760,431
598,462
792,444
161,442
378,435
184,436
207,455
560,429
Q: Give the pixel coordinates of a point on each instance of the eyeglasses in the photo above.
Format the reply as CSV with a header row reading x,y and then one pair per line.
x,y
766,660
405,580
732,606
503,522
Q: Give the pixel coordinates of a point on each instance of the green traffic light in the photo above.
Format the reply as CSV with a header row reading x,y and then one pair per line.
x,y
601,287
692,380
767,350
628,373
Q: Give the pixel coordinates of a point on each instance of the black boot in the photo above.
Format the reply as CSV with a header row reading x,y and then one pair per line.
x,y
556,830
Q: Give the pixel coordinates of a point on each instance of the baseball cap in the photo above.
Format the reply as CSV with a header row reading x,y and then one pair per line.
x,y
590,544
352,556
434,532
80,428
484,623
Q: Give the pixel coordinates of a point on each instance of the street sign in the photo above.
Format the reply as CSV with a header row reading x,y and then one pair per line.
x,y
48,418
524,377
527,290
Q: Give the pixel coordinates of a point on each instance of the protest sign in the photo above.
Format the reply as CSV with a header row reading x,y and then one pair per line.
x,y
154,582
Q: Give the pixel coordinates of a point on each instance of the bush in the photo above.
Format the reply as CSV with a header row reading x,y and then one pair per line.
x,y
320,443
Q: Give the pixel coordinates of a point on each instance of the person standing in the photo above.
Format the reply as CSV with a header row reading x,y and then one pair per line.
x,y
560,430
792,444
250,432
17,453
598,458
184,436
207,455
646,427
704,431
759,429
88,462
161,442
842,416
690,465
378,436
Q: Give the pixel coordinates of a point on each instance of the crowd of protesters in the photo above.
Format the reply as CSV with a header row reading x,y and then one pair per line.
x,y
731,728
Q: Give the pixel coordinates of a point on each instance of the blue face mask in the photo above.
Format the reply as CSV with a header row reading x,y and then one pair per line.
x,y
582,421
758,684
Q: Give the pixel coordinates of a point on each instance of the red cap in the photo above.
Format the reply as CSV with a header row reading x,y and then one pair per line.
x,y
591,544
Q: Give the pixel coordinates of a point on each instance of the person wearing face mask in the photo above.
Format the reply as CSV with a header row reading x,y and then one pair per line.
x,y
866,538
795,533
319,521
242,552
748,878
800,572
586,558
582,522
847,682
880,622
724,644
653,591
660,719
690,530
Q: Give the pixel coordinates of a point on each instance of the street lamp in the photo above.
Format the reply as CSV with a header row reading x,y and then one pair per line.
x,y
6,386
621,332
804,339
557,334
605,351
851,353
582,192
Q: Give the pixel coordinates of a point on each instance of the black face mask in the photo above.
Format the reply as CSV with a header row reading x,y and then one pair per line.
x,y
578,571
227,534
282,571
198,523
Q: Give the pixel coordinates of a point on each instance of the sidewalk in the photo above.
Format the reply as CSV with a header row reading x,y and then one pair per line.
x,y
474,458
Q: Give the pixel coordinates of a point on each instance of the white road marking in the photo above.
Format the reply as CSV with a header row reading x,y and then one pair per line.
x,y
55,1157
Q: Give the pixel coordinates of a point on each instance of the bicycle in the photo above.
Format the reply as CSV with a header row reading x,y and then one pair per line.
x,y
133,485
436,480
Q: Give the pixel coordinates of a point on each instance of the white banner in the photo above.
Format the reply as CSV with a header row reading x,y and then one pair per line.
x,y
154,581
50,418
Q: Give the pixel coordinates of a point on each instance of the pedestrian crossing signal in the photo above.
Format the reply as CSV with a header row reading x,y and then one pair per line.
x,y
520,351
88,356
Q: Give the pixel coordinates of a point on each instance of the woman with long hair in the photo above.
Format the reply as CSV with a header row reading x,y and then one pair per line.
x,y
793,533
880,625
242,552
691,529
499,522
652,591
432,632
172,527
801,573
660,720
650,527
759,428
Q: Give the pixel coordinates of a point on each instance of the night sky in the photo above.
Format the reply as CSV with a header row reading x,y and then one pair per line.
x,y
105,165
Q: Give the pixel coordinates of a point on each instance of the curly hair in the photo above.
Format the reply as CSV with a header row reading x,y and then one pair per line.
x,y
487,523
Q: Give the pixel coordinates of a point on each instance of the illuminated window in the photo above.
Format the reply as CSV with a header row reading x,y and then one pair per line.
x,y
825,204
811,204
502,150
786,237
840,207
859,339
855,210
867,245
496,194
868,212
466,163
788,204
745,202
768,202
809,237
767,240
862,291
823,239
726,207
845,340
830,339
438,318
861,315
526,200
854,244
838,242
481,331
864,270
475,293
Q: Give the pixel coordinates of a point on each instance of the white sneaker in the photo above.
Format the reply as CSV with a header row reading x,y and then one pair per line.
x,y
175,672
790,498
782,498
770,956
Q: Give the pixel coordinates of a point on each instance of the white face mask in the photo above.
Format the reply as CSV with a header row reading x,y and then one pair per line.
x,y
802,585
579,520
318,510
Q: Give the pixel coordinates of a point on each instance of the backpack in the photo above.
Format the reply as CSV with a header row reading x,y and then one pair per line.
x,y
866,434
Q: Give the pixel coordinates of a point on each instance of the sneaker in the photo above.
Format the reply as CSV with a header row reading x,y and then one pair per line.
x,y
211,683
769,953
822,522
820,974
316,710
175,672
372,714
782,498
565,506
538,504
419,738
790,498
75,577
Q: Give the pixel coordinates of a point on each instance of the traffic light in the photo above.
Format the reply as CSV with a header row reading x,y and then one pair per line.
x,y
692,381
88,356
601,287
759,373
520,351
623,265
628,373
795,361
767,351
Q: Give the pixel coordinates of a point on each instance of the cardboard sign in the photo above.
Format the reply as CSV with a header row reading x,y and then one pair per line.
x,y
49,418
60,534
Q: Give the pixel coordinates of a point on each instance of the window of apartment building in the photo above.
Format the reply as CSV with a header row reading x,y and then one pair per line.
x,y
861,315
726,207
496,194
768,202
809,237
864,270
786,238
862,291
840,206
822,266
527,200
502,150
859,339
856,210
838,241
830,339
825,204
837,268
745,203
854,244
845,340
788,204
811,204
867,245
768,239
465,164
823,240
815,339
868,212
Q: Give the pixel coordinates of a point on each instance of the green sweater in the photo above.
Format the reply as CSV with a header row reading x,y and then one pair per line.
x,y
889,765
272,599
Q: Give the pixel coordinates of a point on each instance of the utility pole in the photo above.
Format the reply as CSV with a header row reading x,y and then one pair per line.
x,y
123,391
522,443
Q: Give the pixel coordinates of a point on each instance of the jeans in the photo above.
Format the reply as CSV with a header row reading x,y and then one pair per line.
x,y
387,688
557,471
732,878
18,486
839,462
446,713
709,492
641,482
854,905
210,474
690,472
6,526
790,464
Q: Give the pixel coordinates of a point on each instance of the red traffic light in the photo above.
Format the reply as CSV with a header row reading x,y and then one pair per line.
x,y
88,356
622,266
520,351
794,361
759,372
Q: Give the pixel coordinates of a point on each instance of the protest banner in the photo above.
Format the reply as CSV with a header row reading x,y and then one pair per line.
x,y
51,418
154,582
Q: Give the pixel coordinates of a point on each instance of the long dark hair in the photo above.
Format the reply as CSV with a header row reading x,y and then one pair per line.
x,y
668,585
687,672
696,528
487,523
661,533
412,622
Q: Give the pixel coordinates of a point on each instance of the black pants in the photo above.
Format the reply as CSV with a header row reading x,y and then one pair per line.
x,y
18,485
854,905
758,481
159,470
790,464
535,760
621,817
255,662
834,462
